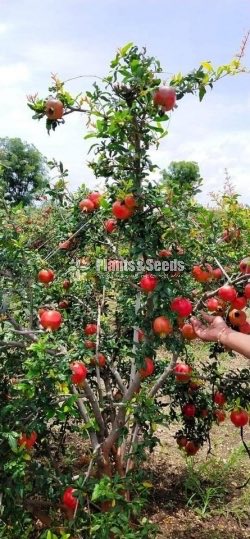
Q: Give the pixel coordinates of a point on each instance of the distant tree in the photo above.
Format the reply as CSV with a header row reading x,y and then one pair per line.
x,y
182,174
23,171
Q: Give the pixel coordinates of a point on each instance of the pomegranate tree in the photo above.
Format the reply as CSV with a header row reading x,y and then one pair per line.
x,y
88,382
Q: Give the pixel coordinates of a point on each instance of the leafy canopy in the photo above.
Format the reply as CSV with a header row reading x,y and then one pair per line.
x,y
23,171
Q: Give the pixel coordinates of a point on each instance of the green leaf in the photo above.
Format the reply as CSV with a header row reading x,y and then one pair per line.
x,y
202,92
155,128
104,204
51,535
123,51
12,443
116,530
90,135
207,66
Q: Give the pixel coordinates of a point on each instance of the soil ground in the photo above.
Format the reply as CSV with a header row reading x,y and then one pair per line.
x,y
202,500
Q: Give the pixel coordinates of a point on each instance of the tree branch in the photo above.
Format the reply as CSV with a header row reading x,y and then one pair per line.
x,y
135,338
95,407
159,383
98,331
84,414
238,280
12,344
120,418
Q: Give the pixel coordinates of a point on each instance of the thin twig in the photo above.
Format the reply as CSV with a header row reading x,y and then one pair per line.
x,y
134,437
52,253
222,269
98,331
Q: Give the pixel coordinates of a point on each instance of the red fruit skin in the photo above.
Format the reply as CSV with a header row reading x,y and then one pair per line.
x,y
90,329
204,413
164,253
227,293
120,211
65,245
141,335
239,418
217,273
110,225
51,320
237,318
101,360
90,345
220,416
40,312
148,369
202,275
28,441
148,282
182,306
86,205
46,276
31,440
162,326
191,448
212,304
247,291
194,386
245,328
239,303
188,332
130,202
165,97
79,372
63,304
66,284
219,398
182,441
95,197
54,109
245,265
189,410
182,372
68,499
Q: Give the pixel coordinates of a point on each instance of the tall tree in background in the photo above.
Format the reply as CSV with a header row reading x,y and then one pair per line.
x,y
184,174
23,171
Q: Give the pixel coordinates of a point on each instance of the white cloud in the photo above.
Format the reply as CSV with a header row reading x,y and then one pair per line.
x,y
14,74
213,133
4,27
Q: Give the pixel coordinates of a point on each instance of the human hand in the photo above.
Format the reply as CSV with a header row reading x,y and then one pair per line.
x,y
211,332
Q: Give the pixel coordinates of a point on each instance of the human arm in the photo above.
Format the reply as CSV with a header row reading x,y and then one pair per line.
x,y
217,330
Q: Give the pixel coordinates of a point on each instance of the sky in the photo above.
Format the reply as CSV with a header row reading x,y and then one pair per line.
x,y
80,37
